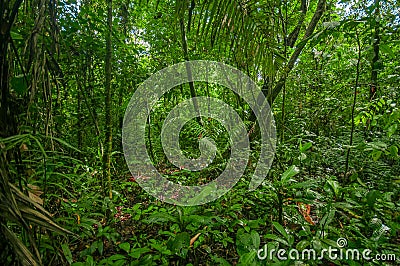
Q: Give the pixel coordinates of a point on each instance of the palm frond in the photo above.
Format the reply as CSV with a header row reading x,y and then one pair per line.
x,y
19,209
234,26
22,252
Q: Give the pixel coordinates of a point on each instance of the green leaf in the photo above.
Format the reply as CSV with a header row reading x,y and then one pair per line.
x,y
125,246
211,188
180,244
67,253
391,130
255,237
18,84
330,242
306,146
161,217
305,184
328,217
16,36
89,260
248,258
334,186
292,171
361,182
220,261
302,156
100,247
394,151
317,244
247,242
371,197
376,145
387,50
66,144
376,155
137,252
331,24
302,244
277,238
280,229
116,257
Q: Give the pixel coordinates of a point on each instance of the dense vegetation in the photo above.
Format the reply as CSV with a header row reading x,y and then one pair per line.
x,y
329,69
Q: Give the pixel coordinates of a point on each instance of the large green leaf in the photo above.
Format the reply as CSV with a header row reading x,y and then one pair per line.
x,y
18,84
289,173
180,244
161,217
387,50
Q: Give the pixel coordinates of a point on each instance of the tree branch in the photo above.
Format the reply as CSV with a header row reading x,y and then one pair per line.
x,y
309,31
293,36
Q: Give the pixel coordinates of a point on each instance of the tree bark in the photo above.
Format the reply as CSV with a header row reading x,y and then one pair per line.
x,y
7,122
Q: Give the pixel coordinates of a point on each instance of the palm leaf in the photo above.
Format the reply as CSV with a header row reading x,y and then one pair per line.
x,y
20,209
22,252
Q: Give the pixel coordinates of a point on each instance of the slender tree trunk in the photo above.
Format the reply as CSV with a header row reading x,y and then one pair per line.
x,y
108,102
375,59
188,68
284,30
345,178
4,84
87,91
79,114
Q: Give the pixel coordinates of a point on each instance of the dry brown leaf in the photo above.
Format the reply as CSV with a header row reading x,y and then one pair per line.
x,y
34,194
78,218
23,147
194,239
35,190
305,210
35,198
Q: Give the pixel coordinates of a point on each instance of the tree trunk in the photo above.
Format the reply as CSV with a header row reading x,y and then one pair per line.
x,y
4,84
8,126
375,59
188,68
108,102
